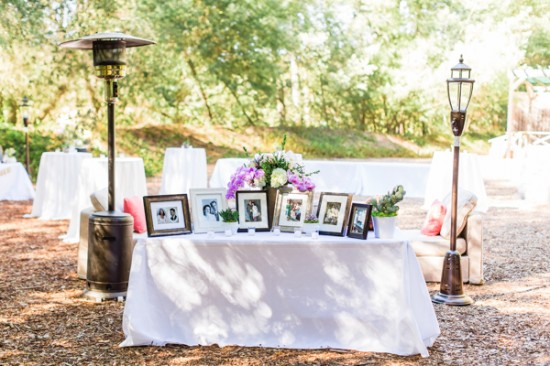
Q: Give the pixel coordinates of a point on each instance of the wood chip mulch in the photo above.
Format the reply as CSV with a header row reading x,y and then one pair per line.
x,y
44,320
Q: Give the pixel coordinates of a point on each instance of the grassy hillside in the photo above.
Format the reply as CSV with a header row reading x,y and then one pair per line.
x,y
313,143
150,141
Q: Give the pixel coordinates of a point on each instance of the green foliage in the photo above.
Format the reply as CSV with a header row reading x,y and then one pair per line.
x,y
229,215
11,137
385,206
300,65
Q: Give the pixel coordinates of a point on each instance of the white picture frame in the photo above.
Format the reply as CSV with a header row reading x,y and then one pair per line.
x,y
333,211
287,205
206,203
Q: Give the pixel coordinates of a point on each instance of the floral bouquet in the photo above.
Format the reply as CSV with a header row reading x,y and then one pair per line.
x,y
271,170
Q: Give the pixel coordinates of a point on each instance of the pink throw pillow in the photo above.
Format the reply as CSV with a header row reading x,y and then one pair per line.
x,y
134,206
434,219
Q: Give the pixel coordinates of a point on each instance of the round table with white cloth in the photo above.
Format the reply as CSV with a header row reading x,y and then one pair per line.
x,y
57,184
470,178
129,181
15,183
224,169
183,168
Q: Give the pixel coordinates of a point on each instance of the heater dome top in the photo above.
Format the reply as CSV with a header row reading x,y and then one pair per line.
x,y
86,43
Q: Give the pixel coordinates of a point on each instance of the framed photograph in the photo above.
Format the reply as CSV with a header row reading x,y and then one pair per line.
x,y
291,209
333,213
167,215
252,209
359,220
205,207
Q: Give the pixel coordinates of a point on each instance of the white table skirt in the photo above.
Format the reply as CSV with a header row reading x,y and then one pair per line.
x,y
469,178
223,170
279,291
183,169
129,181
57,184
533,174
356,177
15,183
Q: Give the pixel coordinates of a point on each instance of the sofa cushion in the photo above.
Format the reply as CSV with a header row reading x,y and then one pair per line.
x,y
434,219
435,246
100,199
134,206
466,202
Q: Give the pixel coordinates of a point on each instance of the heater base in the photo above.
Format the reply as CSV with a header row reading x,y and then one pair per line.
x,y
98,296
453,300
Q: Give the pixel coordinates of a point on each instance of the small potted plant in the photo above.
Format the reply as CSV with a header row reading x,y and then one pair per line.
x,y
231,219
384,211
311,223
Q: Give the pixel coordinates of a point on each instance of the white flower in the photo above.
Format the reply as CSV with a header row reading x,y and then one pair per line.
x,y
293,159
278,177
259,182
280,155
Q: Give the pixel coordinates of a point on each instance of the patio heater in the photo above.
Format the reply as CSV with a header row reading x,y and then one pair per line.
x,y
25,107
110,241
459,91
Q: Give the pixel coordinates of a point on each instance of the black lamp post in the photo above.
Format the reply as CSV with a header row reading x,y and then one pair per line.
x,y
110,241
25,106
459,90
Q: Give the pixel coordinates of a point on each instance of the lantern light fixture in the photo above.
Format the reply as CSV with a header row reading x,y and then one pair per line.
x,y
459,92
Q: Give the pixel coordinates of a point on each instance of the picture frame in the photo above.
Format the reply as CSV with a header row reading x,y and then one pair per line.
x,y
167,215
253,211
359,220
291,209
333,211
205,205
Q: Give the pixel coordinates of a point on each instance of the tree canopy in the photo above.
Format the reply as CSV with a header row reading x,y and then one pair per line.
x,y
372,65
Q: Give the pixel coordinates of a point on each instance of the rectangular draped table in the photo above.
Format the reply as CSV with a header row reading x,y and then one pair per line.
x,y
279,291
366,178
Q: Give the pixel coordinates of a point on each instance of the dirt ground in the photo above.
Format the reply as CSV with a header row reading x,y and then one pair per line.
x,y
44,320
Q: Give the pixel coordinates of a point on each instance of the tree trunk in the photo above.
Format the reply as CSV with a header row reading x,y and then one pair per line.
x,y
202,91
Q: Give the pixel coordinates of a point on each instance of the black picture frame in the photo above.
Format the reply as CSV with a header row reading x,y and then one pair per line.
x,y
253,211
176,219
359,220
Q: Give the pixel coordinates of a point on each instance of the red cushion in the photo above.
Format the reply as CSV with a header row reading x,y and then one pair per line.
x,y
434,219
134,207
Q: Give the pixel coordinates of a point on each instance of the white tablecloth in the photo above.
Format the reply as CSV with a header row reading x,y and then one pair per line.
x,y
380,177
356,177
57,184
183,169
223,170
15,183
469,178
279,291
533,174
129,181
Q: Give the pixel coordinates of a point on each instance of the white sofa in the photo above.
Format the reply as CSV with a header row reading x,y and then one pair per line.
x,y
430,251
